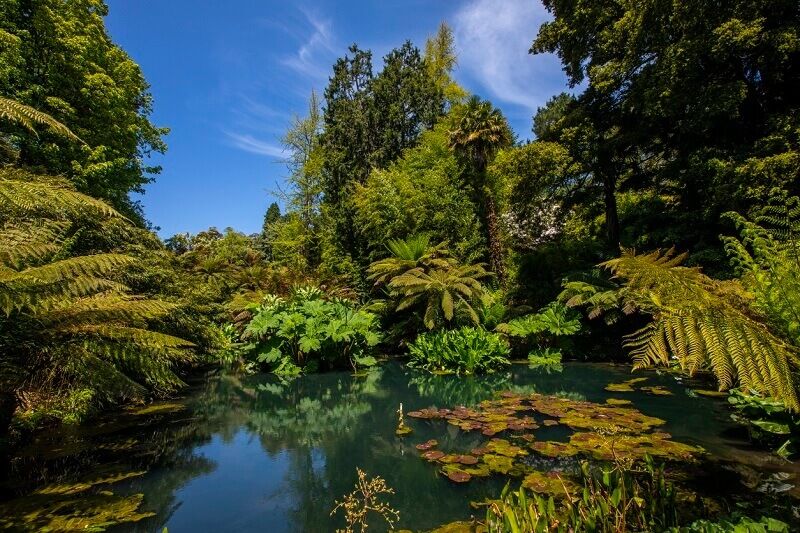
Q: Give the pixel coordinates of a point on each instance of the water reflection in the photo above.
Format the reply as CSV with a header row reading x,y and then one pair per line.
x,y
260,454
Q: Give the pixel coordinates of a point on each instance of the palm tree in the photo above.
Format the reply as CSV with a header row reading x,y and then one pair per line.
x,y
480,131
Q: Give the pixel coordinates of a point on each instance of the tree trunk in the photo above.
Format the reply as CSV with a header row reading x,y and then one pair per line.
x,y
493,238
612,216
8,404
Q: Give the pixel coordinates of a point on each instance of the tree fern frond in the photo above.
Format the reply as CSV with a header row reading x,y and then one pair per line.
x,y
26,194
29,117
703,323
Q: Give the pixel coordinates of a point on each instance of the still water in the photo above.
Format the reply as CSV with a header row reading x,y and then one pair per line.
x,y
258,454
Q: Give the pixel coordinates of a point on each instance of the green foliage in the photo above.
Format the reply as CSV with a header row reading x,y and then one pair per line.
x,y
463,351
545,357
768,261
441,60
536,182
368,121
540,331
611,499
445,293
703,323
555,319
308,332
28,117
428,282
72,336
64,63
692,100
769,421
420,193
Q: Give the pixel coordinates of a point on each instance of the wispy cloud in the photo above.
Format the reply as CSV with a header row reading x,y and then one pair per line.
x,y
312,58
493,38
251,144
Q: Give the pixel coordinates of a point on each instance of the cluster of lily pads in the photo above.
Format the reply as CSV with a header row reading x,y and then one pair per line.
x,y
606,432
629,386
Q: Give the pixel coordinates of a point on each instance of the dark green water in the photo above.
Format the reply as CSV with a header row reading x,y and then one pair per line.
x,y
256,454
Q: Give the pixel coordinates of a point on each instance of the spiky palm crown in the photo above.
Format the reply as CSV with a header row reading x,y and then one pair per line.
x,y
480,131
704,324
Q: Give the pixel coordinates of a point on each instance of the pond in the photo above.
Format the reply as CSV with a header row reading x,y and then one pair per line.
x,y
258,454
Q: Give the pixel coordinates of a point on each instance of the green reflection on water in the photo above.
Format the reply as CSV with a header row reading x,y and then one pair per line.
x,y
255,451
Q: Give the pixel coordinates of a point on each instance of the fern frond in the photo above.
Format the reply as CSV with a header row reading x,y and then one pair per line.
x,y
26,194
29,118
703,323
25,242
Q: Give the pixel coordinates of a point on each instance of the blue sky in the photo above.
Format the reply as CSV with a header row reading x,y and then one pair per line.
x,y
227,76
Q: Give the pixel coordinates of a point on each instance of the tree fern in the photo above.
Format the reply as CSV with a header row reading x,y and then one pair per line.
x,y
29,118
703,324
413,252
66,324
766,256
444,293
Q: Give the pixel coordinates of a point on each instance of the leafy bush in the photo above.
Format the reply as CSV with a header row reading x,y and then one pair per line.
x,y
308,332
463,351
544,357
768,421
539,332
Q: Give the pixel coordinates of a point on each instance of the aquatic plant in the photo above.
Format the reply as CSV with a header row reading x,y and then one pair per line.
x,y
364,500
610,499
601,432
768,421
463,351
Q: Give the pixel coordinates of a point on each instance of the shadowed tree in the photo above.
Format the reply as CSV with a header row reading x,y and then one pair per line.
x,y
480,131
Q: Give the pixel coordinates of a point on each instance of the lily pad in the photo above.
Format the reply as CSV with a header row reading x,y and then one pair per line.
x,y
549,483
618,402
657,390
433,455
657,444
503,447
711,393
456,474
498,463
625,386
427,445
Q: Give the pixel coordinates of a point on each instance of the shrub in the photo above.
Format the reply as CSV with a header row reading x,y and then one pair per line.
x,y
539,332
463,351
308,332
